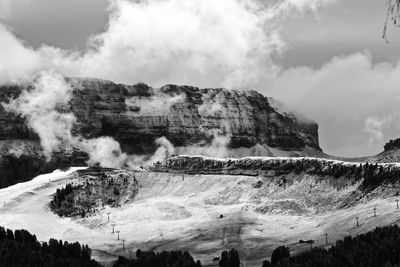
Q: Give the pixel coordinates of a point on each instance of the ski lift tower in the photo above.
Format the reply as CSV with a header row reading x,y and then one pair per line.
x,y
118,231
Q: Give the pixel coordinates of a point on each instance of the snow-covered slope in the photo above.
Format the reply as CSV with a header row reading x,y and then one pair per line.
x,y
181,211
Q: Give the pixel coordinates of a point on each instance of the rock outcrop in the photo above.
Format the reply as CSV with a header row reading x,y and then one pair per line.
x,y
136,115
392,144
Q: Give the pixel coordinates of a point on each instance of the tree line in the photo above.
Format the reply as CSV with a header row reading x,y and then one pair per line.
x,y
175,259
373,249
20,248
372,175
162,259
61,195
379,247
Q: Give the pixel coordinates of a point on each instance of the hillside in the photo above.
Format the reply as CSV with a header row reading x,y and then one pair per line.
x,y
183,211
390,154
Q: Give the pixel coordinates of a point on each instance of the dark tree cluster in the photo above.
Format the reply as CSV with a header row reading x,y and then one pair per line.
x,y
279,254
374,175
229,259
116,191
20,248
373,249
15,169
110,182
62,195
163,259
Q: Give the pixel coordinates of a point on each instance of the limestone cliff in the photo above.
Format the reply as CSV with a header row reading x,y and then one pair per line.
x,y
136,115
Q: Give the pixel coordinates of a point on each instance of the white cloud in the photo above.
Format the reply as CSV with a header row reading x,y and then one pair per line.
x,y
46,109
104,151
342,96
5,8
226,43
205,43
9,8
375,126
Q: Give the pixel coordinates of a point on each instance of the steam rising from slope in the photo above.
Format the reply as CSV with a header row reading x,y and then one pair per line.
x,y
159,103
165,150
218,147
213,105
104,151
46,108
41,106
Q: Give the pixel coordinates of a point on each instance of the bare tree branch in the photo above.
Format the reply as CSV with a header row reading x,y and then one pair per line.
x,y
393,15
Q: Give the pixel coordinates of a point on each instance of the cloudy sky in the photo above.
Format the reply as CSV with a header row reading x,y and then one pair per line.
x,y
324,58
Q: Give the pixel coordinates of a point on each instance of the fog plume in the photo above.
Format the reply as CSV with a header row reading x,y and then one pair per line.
x,y
165,150
374,126
159,103
104,151
43,108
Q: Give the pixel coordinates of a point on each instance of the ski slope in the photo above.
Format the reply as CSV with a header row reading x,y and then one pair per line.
x,y
172,211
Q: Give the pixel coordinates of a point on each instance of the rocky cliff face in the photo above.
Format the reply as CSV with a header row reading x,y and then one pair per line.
x,y
136,115
392,144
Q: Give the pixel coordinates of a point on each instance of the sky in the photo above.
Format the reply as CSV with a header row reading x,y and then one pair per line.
x,y
325,59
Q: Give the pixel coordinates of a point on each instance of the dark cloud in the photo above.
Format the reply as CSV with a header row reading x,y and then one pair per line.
x,y
64,24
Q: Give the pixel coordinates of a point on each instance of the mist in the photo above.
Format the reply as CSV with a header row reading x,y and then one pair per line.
x,y
232,44
41,106
46,109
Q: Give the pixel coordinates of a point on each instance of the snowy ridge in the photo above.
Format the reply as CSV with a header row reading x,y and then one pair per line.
x,y
260,165
293,159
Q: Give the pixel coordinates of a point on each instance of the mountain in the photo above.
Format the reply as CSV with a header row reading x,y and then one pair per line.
x,y
242,123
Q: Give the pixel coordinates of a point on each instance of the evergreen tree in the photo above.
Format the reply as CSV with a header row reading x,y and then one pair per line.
x,y
280,253
223,262
233,258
